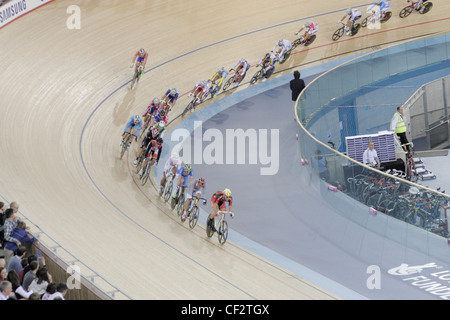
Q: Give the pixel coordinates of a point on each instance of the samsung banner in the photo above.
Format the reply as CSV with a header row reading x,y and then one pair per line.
x,y
14,9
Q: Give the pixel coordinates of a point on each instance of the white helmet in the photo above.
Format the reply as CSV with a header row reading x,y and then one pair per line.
x,y
141,52
349,11
137,119
176,158
227,192
308,24
280,42
242,60
173,91
204,83
378,1
156,101
221,70
162,124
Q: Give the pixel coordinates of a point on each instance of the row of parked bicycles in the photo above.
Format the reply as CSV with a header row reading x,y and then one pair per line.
x,y
384,193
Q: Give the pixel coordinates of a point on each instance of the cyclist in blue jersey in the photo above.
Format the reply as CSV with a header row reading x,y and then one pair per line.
x,y
133,127
185,176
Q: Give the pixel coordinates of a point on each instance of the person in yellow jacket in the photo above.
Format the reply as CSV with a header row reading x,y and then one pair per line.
x,y
398,125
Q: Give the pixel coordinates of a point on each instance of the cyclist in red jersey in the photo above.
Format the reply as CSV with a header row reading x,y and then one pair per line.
x,y
218,203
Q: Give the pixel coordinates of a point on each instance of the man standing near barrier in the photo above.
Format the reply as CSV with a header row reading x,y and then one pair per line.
x,y
398,125
297,85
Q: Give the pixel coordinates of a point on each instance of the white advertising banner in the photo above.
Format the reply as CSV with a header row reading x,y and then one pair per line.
x,y
14,9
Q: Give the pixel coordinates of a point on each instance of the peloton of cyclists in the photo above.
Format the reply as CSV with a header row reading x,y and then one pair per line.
x,y
219,203
284,46
241,67
353,16
133,127
195,188
268,64
310,28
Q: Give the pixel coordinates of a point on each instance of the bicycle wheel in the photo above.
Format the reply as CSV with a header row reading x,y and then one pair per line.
x,y
256,77
168,190
223,231
296,43
310,40
427,7
387,17
146,174
228,83
188,108
406,11
365,22
180,205
337,34
124,146
193,217
209,230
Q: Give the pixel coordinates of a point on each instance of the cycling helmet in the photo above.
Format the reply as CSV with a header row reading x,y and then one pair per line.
x,y
242,60
201,181
161,124
308,24
227,192
221,70
280,42
137,119
349,11
156,101
162,112
187,167
204,83
267,56
173,91
175,158
159,140
378,1
141,52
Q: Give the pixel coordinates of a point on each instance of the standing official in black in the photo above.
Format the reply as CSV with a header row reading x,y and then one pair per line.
x,y
297,85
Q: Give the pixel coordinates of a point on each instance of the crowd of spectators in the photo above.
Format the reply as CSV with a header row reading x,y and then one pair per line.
x,y
23,276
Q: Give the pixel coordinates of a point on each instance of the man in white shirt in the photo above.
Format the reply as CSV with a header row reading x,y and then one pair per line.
x,y
370,156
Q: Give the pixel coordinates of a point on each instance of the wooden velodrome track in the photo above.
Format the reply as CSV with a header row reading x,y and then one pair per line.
x,y
64,104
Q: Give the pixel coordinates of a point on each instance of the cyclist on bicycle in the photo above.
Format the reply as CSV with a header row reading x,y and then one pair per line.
x,y
241,67
152,108
173,164
268,64
153,152
353,16
218,203
140,59
200,90
383,5
169,98
310,28
283,47
133,127
156,131
197,188
184,175
418,6
220,75
161,115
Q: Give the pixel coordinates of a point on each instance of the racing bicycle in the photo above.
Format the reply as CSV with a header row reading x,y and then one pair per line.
x,y
371,18
179,197
191,105
166,190
138,72
340,32
232,80
406,11
261,73
193,211
124,145
221,227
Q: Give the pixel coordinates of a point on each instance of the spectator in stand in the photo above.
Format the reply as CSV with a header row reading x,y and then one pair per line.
x,y
35,296
2,223
297,85
20,233
51,289
10,224
5,290
18,290
3,274
30,275
61,290
16,261
40,284
30,258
